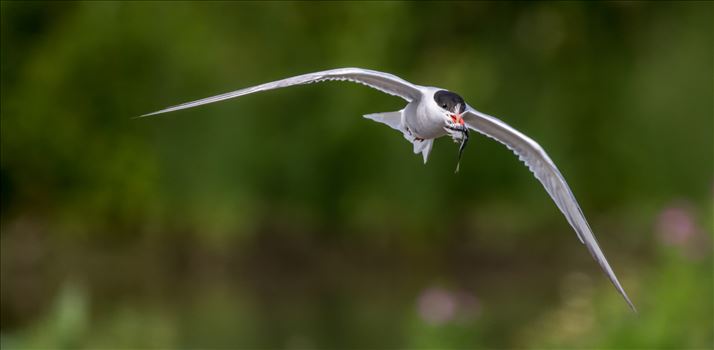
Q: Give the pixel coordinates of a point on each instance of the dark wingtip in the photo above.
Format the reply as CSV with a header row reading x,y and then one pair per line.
x,y
145,115
631,305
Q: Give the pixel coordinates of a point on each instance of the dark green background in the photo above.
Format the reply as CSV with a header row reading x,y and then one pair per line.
x,y
286,220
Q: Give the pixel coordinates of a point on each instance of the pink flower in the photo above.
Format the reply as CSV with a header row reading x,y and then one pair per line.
x,y
675,225
436,306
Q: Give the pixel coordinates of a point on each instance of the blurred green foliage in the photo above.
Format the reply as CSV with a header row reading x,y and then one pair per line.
x,y
286,220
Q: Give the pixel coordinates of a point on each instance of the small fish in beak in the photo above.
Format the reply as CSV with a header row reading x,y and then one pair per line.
x,y
459,132
462,147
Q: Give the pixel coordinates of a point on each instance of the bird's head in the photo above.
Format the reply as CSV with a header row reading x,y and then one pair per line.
x,y
453,106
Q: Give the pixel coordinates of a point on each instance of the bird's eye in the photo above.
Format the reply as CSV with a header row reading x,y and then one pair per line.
x,y
443,105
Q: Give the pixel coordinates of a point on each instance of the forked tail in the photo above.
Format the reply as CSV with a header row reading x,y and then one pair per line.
x,y
395,121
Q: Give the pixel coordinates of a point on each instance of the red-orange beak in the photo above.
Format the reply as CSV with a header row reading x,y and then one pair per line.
x,y
456,118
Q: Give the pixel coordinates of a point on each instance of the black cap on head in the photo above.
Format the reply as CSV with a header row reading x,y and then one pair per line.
x,y
448,101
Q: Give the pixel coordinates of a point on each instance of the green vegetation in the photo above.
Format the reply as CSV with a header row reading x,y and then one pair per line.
x,y
286,220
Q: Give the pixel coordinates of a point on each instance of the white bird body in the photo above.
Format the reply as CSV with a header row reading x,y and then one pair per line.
x,y
421,121
433,112
424,117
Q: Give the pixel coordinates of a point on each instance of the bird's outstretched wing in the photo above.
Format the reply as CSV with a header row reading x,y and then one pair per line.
x,y
548,174
385,82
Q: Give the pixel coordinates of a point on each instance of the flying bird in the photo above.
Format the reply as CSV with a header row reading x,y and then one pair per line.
x,y
433,112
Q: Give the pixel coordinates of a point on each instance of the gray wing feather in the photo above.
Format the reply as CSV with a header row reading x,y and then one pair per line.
x,y
381,81
548,174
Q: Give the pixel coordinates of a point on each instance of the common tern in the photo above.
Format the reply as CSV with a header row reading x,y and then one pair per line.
x,y
433,112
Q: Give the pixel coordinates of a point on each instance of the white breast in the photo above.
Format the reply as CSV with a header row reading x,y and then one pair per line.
x,y
424,118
